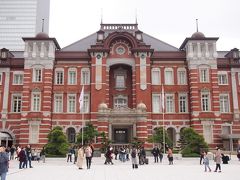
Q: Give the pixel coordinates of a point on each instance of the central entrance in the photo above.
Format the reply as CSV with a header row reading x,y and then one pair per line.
x,y
122,134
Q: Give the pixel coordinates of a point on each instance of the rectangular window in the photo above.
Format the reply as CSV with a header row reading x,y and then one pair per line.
x,y
169,77
85,80
224,103
59,77
170,103
0,78
71,103
33,133
37,75
156,106
72,77
58,103
205,99
36,102
156,77
16,102
18,79
183,103
85,103
204,76
222,79
120,81
207,133
226,130
181,77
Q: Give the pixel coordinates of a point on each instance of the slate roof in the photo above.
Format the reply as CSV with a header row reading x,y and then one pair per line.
x,y
85,43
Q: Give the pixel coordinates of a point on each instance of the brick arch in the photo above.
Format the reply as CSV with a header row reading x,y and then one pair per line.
x,y
125,36
10,133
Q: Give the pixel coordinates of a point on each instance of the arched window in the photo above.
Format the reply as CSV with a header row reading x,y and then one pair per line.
x,y
71,135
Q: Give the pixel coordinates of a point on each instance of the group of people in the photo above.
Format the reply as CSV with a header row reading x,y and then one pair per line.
x,y
219,157
79,154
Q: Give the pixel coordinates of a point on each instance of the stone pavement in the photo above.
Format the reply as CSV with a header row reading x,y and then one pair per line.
x,y
184,169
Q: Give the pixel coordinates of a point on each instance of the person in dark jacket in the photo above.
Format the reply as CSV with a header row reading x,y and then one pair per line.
x,y
108,155
29,155
155,153
3,163
22,158
142,156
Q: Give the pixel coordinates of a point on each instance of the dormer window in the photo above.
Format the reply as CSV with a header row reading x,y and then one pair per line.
x,y
4,53
100,35
138,35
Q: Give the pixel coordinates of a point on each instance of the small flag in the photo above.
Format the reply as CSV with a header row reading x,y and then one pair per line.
x,y
81,99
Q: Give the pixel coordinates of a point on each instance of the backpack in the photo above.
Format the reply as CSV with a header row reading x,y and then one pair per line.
x,y
133,154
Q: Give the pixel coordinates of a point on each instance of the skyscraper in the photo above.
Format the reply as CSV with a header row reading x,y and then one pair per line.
x,y
22,18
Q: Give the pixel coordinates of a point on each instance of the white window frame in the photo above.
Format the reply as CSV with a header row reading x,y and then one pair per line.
x,y
19,98
58,107
208,103
156,76
71,109
204,74
222,78
36,107
86,104
34,135
227,125
115,98
156,103
36,74
224,108
85,81
186,102
57,80
72,80
18,78
120,83
182,80
169,105
168,81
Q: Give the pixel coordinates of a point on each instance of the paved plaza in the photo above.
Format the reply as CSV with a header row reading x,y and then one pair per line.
x,y
184,169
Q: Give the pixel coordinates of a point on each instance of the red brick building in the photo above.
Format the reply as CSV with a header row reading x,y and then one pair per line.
x,y
124,72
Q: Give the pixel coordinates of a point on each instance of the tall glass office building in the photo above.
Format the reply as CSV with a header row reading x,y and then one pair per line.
x,y
22,18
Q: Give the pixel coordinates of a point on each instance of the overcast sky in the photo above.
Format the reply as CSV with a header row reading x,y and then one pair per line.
x,y
168,20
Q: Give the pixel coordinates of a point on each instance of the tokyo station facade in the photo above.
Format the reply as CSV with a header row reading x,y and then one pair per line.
x,y
124,72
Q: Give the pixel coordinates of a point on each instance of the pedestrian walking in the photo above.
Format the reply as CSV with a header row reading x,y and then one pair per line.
x,y
206,162
22,157
43,154
109,155
3,163
155,153
80,157
160,155
88,154
134,158
201,157
12,151
170,156
29,155
217,159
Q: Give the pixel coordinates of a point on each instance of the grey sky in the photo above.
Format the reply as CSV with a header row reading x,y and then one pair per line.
x,y
168,20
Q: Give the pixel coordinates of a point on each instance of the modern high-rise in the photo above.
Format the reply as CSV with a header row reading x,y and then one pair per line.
x,y
22,18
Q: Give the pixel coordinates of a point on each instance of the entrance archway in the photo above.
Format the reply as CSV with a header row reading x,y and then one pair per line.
x,y
172,135
6,139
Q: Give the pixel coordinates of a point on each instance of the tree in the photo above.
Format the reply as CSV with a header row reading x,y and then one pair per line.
x,y
105,142
57,142
192,142
157,137
89,133
137,142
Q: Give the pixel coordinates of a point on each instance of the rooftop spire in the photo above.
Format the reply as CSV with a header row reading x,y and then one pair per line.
x,y
197,24
42,25
136,16
101,15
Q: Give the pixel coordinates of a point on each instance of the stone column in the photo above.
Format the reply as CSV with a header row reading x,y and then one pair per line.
x,y
235,95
